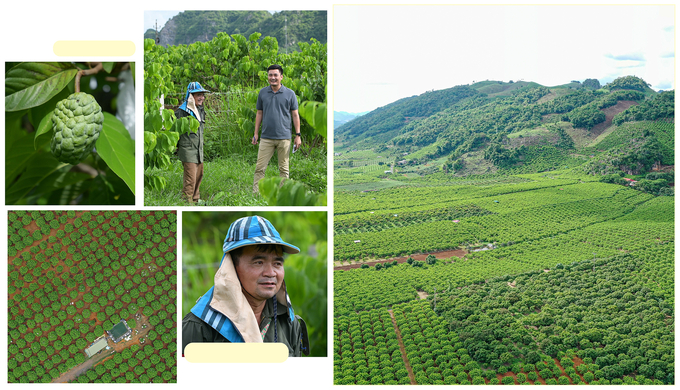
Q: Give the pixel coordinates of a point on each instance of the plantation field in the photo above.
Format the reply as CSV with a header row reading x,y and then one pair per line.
x,y
575,284
75,274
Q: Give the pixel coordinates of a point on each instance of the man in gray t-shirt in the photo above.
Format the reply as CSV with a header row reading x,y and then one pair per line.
x,y
276,107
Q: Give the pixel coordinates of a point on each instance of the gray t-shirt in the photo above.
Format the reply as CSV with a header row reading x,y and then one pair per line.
x,y
276,108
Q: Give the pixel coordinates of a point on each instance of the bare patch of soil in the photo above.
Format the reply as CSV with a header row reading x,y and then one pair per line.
x,y
402,349
540,380
422,295
73,373
420,257
564,373
509,373
577,362
609,113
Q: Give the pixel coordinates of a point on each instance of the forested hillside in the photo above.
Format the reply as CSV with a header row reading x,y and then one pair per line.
x,y
288,27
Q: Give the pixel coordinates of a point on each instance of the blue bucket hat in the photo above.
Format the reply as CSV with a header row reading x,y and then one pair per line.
x,y
254,230
194,87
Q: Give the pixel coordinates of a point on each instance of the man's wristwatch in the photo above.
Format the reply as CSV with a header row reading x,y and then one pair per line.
x,y
297,134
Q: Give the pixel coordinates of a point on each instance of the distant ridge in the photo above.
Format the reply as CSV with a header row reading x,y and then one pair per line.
x,y
286,26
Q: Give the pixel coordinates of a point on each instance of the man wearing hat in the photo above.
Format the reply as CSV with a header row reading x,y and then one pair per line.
x,y
249,302
190,145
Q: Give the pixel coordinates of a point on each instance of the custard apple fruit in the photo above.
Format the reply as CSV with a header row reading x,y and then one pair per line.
x,y
77,121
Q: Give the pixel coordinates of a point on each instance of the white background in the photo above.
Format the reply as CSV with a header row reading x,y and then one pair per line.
x,y
29,32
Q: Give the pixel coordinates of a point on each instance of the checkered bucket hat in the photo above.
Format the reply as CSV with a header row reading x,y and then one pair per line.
x,y
254,230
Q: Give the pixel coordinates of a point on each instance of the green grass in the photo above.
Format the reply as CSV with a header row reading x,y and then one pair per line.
x,y
228,181
533,132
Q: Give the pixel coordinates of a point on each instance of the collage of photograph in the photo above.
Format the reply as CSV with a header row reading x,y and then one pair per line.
x,y
340,194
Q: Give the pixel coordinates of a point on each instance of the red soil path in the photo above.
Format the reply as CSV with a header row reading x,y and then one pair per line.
x,y
411,376
420,257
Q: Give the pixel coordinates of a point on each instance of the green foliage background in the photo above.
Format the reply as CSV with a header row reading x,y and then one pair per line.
x,y
203,234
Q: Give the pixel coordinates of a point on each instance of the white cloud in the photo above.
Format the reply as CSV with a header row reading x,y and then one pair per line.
x,y
384,53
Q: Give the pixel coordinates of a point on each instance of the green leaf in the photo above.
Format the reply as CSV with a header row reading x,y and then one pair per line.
x,y
30,84
168,140
59,179
168,118
117,149
149,141
194,125
291,193
36,114
254,36
108,66
153,182
153,122
14,126
44,127
315,114
17,156
186,124
132,69
37,170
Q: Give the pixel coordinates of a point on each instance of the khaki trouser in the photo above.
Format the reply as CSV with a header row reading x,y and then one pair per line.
x,y
265,153
193,175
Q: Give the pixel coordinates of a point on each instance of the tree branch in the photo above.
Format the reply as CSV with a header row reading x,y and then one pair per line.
x,y
87,72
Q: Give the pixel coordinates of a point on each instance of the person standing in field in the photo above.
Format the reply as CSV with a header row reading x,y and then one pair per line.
x,y
190,145
277,107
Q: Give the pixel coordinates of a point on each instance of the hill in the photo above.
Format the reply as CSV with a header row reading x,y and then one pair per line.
x,y
342,117
491,125
288,27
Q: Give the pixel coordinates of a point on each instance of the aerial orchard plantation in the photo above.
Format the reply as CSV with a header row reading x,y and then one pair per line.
x,y
569,284
534,250
73,276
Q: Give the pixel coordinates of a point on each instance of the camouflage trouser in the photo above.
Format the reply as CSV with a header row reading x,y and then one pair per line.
x,y
265,153
193,175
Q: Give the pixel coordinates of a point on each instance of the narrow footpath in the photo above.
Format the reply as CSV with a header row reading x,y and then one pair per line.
x,y
402,349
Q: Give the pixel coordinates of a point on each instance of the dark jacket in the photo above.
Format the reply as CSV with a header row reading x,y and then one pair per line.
x,y
190,145
290,333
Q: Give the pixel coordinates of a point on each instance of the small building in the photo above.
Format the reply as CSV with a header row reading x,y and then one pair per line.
x,y
119,331
97,346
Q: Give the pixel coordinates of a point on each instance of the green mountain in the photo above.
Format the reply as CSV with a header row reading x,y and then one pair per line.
x,y
342,117
493,125
288,27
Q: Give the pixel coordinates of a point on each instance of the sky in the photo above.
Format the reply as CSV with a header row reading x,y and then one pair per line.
x,y
385,53
152,17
